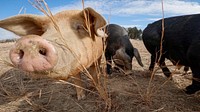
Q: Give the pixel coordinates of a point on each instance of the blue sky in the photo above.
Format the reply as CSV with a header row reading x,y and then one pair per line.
x,y
127,13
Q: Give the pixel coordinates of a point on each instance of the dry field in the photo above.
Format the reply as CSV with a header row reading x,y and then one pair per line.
x,y
128,93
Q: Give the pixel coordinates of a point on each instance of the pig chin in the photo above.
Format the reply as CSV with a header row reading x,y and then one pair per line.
x,y
38,57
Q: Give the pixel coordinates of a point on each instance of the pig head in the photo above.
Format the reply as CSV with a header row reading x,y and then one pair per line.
x,y
65,49
123,60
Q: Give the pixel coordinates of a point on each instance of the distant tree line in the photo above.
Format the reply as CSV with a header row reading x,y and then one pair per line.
x,y
8,40
135,33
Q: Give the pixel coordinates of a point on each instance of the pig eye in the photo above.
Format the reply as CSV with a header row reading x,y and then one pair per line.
x,y
79,27
43,51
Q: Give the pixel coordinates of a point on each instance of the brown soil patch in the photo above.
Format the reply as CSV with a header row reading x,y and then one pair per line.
x,y
129,93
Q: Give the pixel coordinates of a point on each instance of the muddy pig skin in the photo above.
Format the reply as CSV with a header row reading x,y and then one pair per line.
x,y
62,53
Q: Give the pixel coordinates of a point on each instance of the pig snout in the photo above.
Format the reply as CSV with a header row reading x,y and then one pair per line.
x,y
33,53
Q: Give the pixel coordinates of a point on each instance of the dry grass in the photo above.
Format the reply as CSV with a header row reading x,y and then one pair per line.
x,y
139,91
128,93
150,89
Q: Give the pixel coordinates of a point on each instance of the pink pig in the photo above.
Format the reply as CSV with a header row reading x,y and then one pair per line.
x,y
66,53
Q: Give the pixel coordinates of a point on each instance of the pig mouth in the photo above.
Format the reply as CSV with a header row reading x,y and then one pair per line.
x,y
33,55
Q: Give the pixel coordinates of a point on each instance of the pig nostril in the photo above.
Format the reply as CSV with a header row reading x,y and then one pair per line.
x,y
21,54
43,51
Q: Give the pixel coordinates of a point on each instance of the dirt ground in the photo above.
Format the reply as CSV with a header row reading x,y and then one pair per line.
x,y
128,93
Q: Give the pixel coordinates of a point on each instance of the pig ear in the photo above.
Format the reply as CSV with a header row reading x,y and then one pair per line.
x,y
24,24
137,56
94,21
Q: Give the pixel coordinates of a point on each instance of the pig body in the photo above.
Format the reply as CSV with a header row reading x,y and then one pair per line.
x,y
65,50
